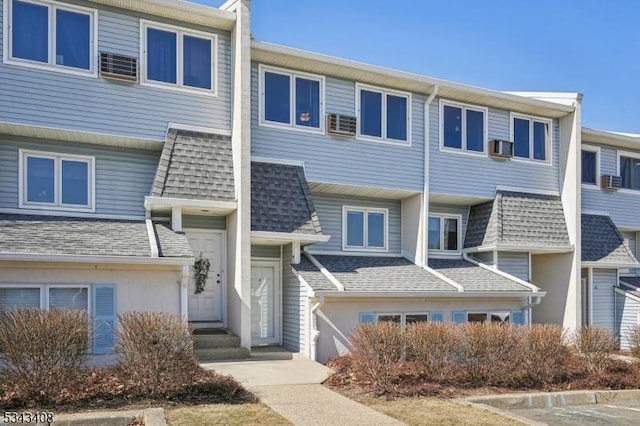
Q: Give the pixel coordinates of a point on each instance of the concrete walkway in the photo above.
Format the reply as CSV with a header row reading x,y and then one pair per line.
x,y
292,389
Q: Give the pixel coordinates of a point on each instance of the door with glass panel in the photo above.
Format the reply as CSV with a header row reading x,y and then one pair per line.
x,y
265,302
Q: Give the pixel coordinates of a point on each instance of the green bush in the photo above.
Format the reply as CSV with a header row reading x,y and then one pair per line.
x,y
155,350
43,351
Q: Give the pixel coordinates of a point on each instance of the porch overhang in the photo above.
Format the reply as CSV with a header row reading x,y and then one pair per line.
x,y
607,265
199,207
76,258
429,295
529,248
267,238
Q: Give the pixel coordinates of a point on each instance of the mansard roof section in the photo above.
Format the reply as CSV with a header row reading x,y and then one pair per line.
x,y
184,11
195,166
602,243
357,71
281,200
518,220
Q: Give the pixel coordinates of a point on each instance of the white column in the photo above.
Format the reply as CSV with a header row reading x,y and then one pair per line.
x,y
295,252
176,219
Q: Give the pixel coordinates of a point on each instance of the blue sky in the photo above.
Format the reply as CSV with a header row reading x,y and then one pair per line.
x,y
586,46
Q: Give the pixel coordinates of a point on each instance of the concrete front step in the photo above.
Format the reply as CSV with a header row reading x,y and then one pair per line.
x,y
221,354
215,341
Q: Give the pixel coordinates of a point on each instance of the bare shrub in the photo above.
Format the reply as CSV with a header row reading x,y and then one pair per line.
x,y
155,349
594,345
487,351
434,347
542,353
43,351
633,335
377,351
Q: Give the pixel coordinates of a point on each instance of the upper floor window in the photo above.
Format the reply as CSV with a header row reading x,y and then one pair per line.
x,y
531,137
291,99
56,181
444,233
590,165
177,58
46,34
630,171
383,115
364,229
463,127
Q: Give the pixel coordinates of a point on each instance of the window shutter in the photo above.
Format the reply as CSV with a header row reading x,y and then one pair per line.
x,y
459,317
104,318
517,317
436,316
367,317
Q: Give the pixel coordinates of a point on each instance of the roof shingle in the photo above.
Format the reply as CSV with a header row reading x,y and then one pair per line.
x,y
475,278
281,200
602,242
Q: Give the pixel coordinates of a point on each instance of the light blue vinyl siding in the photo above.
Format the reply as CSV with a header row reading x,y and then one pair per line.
x,y
294,307
123,176
463,211
603,302
627,311
622,206
343,160
485,257
468,175
265,251
514,263
329,209
204,222
52,99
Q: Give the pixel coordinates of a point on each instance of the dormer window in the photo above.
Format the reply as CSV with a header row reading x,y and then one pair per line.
x,y
51,35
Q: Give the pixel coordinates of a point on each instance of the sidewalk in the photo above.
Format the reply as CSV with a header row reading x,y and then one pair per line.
x,y
292,389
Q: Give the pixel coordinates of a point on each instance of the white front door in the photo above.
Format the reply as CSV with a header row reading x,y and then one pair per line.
x,y
265,302
207,305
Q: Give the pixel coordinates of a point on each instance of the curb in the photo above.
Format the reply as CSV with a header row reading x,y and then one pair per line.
x,y
151,417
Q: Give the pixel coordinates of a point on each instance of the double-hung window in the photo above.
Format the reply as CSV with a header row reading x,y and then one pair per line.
x,y
531,138
403,318
291,99
589,165
364,229
629,164
444,234
44,297
52,35
383,115
177,58
463,127
495,317
57,181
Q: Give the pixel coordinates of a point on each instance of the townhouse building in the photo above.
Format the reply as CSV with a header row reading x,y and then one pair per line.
x,y
140,139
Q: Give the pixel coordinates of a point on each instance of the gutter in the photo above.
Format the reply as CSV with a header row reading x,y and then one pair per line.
x,y
425,189
315,333
429,294
81,258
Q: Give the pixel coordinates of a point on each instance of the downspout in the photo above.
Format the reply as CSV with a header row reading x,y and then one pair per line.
x,y
184,297
425,188
315,333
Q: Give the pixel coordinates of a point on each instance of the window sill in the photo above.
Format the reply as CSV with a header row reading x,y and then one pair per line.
x,y
56,208
591,186
53,68
365,250
176,88
455,151
281,126
383,141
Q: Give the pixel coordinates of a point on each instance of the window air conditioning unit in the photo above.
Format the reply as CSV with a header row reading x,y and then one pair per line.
x,y
611,182
499,148
119,67
339,124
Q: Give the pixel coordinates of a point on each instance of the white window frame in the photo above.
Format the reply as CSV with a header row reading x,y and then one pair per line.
x,y
628,154
596,150
44,291
403,316
262,69
384,92
52,6
57,204
463,130
443,216
548,143
180,33
365,211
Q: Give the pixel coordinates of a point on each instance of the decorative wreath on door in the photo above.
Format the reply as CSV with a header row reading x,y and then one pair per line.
x,y
202,266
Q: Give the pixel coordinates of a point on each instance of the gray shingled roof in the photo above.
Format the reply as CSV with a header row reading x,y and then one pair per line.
x,y
195,166
633,281
312,275
93,237
376,273
602,242
518,219
281,200
475,278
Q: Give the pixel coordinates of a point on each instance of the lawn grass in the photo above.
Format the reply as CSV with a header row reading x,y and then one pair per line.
x,y
224,414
